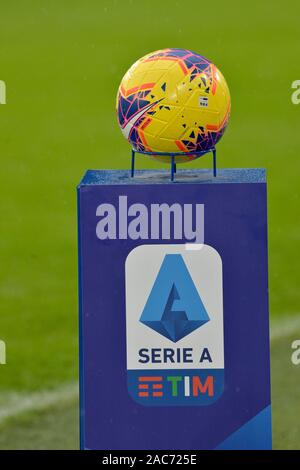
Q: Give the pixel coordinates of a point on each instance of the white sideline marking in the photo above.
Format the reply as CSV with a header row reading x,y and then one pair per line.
x,y
285,327
14,404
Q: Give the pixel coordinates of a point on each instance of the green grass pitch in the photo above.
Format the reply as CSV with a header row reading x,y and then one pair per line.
x,y
62,62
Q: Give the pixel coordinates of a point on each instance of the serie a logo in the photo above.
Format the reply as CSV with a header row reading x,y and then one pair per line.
x,y
174,322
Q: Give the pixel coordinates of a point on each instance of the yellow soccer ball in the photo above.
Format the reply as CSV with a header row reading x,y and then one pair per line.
x,y
173,100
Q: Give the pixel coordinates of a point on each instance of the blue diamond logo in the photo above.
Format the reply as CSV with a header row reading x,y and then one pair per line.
x,y
174,307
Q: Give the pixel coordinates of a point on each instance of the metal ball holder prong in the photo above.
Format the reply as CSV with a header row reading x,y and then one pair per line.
x,y
173,155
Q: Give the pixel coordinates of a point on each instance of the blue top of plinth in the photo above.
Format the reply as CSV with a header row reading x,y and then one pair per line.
x,y
228,175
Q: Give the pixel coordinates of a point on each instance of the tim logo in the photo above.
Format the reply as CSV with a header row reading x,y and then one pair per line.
x,y
174,319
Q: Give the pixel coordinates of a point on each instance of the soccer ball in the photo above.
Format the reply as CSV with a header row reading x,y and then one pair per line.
x,y
173,100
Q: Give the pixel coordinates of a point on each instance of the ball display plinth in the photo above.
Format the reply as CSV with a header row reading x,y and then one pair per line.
x,y
172,159
173,296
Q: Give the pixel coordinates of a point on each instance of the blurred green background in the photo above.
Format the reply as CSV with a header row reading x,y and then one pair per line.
x,y
62,62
